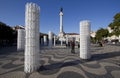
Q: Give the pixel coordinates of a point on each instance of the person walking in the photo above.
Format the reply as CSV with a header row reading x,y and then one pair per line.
x,y
72,47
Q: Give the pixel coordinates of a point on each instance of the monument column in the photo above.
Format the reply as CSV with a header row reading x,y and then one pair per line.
x,y
21,39
61,20
32,62
61,34
61,41
85,40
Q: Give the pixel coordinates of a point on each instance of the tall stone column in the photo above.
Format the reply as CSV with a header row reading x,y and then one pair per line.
x,y
50,39
85,39
54,41
45,40
61,20
21,40
42,42
31,62
66,39
61,34
61,41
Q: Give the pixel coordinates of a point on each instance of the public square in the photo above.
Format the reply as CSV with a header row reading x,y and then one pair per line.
x,y
59,39
59,62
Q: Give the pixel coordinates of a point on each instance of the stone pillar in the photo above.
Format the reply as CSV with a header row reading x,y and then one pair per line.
x,y
61,21
31,62
21,40
54,41
42,42
66,39
85,40
45,40
50,39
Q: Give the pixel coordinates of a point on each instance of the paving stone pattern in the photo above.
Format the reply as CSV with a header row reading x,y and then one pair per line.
x,y
59,62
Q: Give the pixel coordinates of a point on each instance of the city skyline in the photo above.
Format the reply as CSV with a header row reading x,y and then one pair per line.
x,y
99,13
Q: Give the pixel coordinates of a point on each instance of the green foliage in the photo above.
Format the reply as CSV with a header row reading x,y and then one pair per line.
x,y
5,31
110,34
7,35
115,25
101,33
117,17
93,39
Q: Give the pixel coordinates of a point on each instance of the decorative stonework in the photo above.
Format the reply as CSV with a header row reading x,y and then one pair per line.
x,y
21,40
50,38
85,40
32,38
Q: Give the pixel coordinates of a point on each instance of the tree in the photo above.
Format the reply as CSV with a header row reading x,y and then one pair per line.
x,y
6,33
101,33
115,25
93,39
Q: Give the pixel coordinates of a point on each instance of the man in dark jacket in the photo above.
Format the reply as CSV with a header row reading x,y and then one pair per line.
x,y
72,47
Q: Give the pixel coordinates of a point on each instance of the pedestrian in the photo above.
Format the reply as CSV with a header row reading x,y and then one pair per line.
x,y
72,47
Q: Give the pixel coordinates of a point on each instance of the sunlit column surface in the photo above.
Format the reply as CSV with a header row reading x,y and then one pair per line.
x,y
66,39
50,39
85,39
21,39
61,21
54,41
45,40
31,62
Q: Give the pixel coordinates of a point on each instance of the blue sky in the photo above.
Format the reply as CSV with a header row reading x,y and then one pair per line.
x,y
99,12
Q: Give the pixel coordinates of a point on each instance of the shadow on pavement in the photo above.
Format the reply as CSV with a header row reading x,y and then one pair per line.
x,y
59,65
104,55
95,57
8,50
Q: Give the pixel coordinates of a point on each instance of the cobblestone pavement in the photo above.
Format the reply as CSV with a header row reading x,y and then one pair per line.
x,y
59,62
